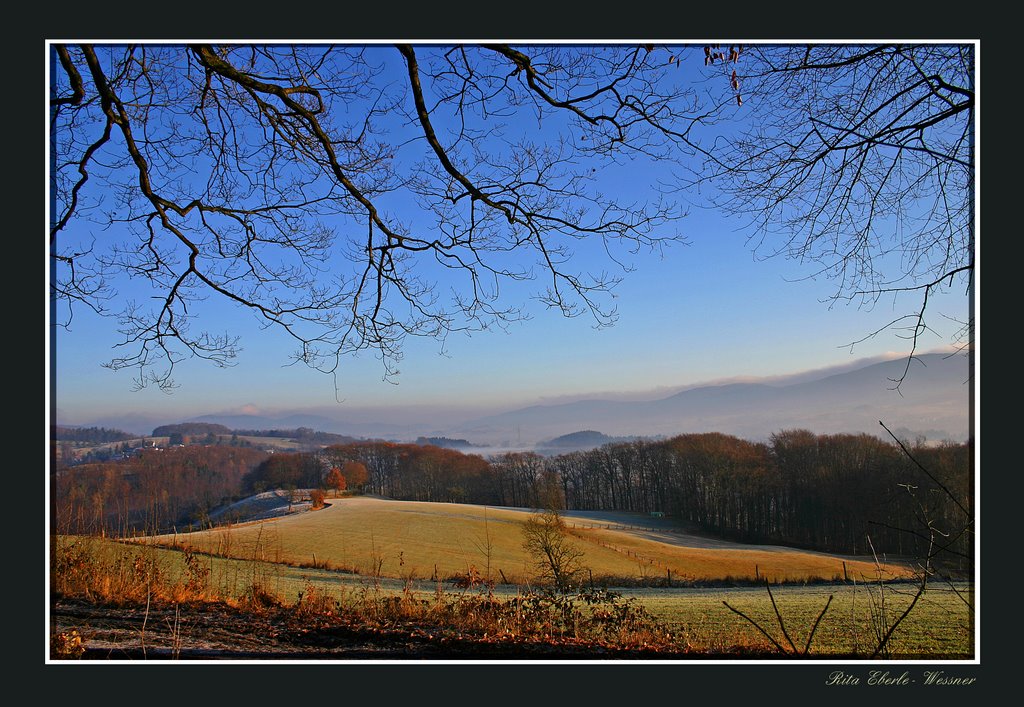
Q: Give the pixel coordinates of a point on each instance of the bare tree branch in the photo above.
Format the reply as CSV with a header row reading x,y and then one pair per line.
x,y
301,184
860,163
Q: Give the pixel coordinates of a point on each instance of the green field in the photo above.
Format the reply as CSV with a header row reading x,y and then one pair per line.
x,y
361,549
940,626
412,540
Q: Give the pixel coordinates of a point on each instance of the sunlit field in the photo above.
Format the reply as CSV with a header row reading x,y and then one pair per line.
x,y
941,624
413,540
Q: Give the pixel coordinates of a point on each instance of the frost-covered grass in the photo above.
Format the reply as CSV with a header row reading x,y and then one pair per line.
x,y
940,625
406,539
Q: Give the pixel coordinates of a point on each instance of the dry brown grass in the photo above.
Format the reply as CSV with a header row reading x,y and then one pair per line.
x,y
403,539
111,573
115,574
689,564
681,620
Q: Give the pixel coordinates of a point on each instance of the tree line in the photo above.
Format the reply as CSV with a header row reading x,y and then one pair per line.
x,y
305,434
90,435
192,429
153,490
410,472
826,492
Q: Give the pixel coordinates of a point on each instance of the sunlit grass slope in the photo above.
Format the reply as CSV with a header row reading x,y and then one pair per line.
x,y
418,540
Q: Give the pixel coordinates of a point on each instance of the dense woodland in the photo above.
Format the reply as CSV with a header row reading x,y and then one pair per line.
x,y
303,434
154,489
827,492
89,435
192,429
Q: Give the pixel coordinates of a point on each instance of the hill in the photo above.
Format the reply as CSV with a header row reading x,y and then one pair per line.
x,y
578,442
191,429
445,442
88,435
934,401
935,397
402,539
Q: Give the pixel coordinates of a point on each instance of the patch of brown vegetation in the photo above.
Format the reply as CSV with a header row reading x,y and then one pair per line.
x,y
221,631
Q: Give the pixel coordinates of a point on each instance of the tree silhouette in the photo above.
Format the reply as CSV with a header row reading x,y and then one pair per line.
x,y
354,196
348,196
859,161
556,557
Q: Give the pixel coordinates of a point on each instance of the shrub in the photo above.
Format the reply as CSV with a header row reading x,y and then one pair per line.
x,y
316,496
65,646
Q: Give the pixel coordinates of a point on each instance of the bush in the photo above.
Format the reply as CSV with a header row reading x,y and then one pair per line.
x,y
316,496
65,646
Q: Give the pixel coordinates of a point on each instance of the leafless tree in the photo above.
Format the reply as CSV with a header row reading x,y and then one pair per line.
x,y
547,541
349,196
859,160
355,196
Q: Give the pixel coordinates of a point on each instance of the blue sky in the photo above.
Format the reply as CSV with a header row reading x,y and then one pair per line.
x,y
695,313
698,313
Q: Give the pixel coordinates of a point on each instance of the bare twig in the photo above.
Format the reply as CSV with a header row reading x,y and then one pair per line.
x,y
807,647
782,624
755,625
882,646
927,473
145,618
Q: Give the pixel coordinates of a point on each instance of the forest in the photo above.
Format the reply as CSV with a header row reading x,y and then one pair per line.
x,y
91,435
824,492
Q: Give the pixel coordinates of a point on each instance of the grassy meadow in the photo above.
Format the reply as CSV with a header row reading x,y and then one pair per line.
x,y
403,561
416,540
939,626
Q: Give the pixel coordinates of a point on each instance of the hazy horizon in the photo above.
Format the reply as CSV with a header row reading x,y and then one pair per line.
x,y
699,311
399,412
410,421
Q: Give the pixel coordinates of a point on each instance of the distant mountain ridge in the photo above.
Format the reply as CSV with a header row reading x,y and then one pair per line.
x,y
935,395
578,441
934,399
320,423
